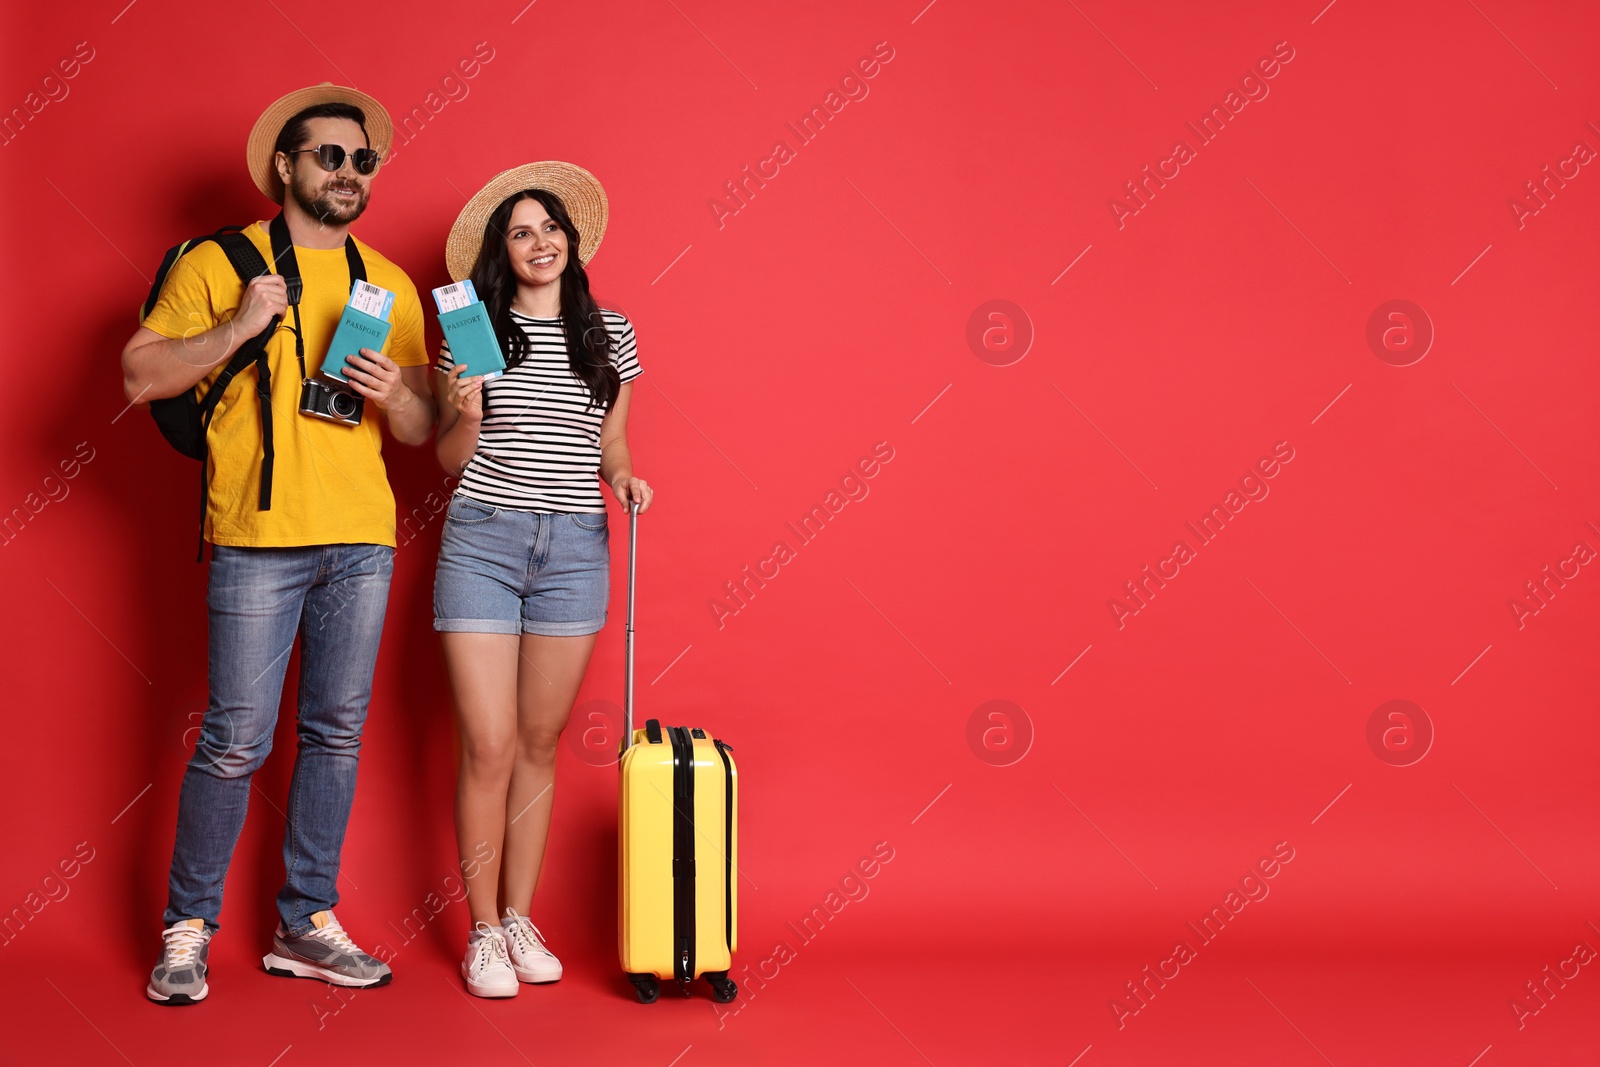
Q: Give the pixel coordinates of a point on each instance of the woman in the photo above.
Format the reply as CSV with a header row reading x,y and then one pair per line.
x,y
523,577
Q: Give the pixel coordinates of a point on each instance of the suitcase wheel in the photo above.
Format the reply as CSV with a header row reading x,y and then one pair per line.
x,y
645,987
723,988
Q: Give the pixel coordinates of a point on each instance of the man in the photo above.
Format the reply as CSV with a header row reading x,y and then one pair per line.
x,y
314,558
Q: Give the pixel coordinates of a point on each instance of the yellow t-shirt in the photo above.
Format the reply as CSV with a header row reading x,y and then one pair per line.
x,y
329,485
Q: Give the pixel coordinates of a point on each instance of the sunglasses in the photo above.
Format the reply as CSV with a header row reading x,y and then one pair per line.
x,y
331,157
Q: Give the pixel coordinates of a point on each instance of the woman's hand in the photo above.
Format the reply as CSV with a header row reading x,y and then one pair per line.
x,y
629,489
465,394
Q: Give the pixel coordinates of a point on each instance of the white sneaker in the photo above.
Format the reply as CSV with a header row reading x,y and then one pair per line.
x,y
487,970
529,958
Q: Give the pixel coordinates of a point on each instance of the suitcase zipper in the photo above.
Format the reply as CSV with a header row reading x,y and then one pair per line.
x,y
723,748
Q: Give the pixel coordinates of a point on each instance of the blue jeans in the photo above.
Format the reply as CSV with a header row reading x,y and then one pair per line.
x,y
506,572
334,596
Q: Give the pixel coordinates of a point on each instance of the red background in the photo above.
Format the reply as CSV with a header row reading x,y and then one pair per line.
x,y
1225,717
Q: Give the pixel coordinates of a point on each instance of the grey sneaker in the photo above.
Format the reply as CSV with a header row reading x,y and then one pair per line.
x,y
180,977
324,952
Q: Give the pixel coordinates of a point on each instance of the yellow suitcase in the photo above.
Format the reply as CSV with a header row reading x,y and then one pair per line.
x,y
678,847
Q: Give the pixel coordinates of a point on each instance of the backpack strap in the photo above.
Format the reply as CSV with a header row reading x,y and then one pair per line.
x,y
248,263
170,260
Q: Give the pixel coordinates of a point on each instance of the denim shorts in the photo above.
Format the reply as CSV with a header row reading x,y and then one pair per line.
x,y
506,572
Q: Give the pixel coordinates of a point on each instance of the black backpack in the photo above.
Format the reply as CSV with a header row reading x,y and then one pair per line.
x,y
185,419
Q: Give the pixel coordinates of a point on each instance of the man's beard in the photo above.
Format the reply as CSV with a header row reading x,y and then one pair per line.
x,y
320,203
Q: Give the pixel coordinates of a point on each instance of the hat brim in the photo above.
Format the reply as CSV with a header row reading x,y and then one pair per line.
x,y
580,192
264,134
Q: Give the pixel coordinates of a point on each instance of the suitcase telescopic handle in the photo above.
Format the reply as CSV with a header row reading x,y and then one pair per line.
x,y
633,566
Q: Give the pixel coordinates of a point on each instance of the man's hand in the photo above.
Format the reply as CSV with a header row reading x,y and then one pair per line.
x,y
155,366
264,297
376,377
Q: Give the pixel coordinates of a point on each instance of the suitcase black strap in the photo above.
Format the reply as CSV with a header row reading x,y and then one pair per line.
x,y
683,866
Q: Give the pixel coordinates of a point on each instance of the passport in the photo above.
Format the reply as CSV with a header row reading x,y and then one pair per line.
x,y
472,341
357,330
363,324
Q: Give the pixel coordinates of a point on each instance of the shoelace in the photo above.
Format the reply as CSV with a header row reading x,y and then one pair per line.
x,y
334,934
491,947
528,942
182,943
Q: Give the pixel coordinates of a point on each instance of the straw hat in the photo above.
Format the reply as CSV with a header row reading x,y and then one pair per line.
x,y
264,134
579,190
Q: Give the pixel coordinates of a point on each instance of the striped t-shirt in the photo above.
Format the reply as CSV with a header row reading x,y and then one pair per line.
x,y
539,443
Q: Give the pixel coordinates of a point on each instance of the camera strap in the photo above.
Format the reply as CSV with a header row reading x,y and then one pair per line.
x,y
284,263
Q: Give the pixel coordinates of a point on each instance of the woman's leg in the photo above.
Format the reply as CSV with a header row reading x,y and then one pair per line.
x,y
483,680
550,671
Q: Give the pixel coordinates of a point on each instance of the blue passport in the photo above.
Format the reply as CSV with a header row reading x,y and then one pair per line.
x,y
357,330
472,341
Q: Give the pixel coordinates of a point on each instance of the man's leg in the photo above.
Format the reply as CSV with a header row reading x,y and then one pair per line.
x,y
255,600
339,636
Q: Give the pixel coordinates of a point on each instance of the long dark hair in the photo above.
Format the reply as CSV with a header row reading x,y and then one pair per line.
x,y
588,340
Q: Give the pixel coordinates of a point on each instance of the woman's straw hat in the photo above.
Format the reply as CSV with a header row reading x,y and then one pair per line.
x,y
579,190
264,134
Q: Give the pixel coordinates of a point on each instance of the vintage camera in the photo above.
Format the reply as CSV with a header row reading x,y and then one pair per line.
x,y
323,399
